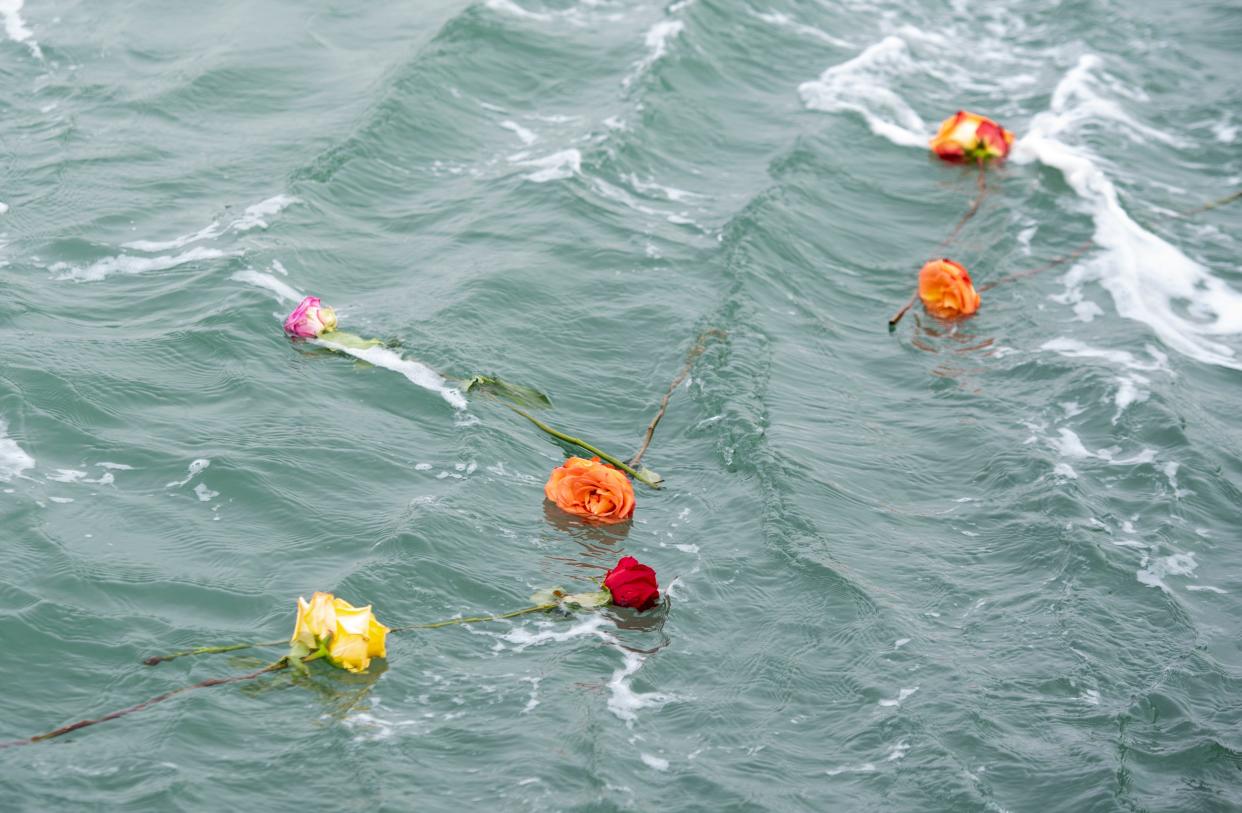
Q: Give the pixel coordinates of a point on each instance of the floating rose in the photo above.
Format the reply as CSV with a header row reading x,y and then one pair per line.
x,y
348,636
592,490
310,319
632,584
971,137
946,290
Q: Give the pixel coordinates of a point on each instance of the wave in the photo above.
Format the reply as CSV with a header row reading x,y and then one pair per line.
x,y
416,372
15,26
129,264
1149,279
13,459
252,218
862,85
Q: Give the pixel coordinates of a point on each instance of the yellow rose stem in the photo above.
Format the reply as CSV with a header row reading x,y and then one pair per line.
x,y
210,650
946,242
645,477
700,345
283,663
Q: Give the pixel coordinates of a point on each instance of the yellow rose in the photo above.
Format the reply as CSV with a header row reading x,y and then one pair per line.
x,y
316,620
351,635
358,637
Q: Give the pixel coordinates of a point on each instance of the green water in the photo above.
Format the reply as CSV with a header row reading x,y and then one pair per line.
x,y
991,566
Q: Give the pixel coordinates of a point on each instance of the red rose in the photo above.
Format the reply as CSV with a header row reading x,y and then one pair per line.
x,y
632,584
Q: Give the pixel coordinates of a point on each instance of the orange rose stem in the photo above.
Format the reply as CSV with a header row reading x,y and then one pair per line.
x,y
946,242
210,650
700,346
892,323
283,663
642,478
478,619
1073,255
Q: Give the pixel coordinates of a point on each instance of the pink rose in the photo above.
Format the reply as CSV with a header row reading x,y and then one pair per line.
x,y
310,319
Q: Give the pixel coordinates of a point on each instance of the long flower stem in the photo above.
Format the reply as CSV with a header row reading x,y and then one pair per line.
x,y
1062,260
159,698
1214,204
477,619
700,345
209,650
982,186
642,477
448,622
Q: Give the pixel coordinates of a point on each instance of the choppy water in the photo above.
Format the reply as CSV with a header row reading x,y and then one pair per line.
x,y
990,567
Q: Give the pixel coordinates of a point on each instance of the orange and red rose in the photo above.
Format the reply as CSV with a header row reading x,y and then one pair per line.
x,y
971,137
946,290
592,490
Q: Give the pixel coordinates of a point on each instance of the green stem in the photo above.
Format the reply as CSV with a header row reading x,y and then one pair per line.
x,y
642,477
476,619
208,650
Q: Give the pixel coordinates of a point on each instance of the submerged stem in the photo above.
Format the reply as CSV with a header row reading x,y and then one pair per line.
x,y
159,698
209,650
700,345
971,211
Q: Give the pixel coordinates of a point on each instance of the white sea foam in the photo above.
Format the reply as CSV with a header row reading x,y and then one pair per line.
x,y
555,167
252,218
194,468
13,459
4,207
1150,280
204,493
653,761
902,694
785,21
510,7
283,290
15,26
126,264
657,39
1070,446
623,701
415,372
672,193
526,136
1154,569
863,85
1130,385
1072,348
524,636
66,476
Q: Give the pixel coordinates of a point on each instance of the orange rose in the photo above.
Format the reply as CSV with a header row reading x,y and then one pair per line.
x,y
946,290
591,489
971,137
